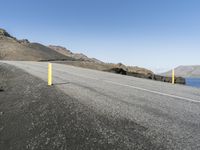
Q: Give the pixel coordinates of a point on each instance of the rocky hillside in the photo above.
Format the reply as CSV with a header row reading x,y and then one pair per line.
x,y
185,71
76,56
14,49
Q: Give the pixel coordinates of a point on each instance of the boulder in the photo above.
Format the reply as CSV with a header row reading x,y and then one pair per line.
x,y
121,66
180,80
24,41
118,71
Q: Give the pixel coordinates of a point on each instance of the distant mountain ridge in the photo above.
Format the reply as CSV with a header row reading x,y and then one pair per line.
x,y
186,71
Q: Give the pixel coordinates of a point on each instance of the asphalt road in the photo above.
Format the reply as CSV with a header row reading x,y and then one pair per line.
x,y
161,113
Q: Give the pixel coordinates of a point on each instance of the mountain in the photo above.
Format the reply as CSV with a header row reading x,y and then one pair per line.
x,y
13,49
76,56
185,71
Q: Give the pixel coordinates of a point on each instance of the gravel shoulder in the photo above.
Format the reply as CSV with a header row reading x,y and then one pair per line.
x,y
35,116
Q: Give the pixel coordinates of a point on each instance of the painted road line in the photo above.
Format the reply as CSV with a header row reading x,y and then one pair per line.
x,y
155,92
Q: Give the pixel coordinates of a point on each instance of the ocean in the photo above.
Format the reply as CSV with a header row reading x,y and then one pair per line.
x,y
195,82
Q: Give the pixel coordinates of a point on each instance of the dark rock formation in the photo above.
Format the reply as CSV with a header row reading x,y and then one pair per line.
x,y
147,75
118,71
24,41
178,80
121,66
4,33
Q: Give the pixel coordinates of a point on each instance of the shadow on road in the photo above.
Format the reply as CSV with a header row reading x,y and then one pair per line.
x,y
61,83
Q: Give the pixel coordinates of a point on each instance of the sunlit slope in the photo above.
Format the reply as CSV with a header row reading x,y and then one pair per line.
x,y
13,49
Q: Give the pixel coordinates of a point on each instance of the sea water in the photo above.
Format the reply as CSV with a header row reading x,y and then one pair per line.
x,y
195,82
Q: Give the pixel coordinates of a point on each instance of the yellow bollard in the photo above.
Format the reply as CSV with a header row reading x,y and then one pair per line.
x,y
49,74
173,76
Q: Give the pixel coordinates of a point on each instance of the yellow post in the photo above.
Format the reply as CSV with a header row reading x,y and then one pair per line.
x,y
49,74
173,76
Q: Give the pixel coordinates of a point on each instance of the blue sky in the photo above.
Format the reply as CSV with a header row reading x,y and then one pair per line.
x,y
155,34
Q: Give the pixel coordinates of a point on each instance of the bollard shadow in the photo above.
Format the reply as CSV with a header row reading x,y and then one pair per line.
x,y
1,89
62,83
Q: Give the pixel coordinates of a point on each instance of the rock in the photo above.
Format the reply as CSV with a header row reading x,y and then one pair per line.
x,y
139,70
131,71
121,66
158,77
4,33
24,41
118,71
144,73
61,49
178,80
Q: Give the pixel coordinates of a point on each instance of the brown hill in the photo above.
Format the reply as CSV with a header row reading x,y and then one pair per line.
x,y
76,56
13,49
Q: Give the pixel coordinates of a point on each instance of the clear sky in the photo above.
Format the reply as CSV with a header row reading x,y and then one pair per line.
x,y
156,34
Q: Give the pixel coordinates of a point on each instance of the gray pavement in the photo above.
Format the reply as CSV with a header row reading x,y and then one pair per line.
x,y
167,114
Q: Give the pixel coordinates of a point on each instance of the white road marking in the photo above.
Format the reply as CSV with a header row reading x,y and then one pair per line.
x,y
155,92
139,88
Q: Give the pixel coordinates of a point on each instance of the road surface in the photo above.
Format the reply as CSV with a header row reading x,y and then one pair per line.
x,y
160,113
